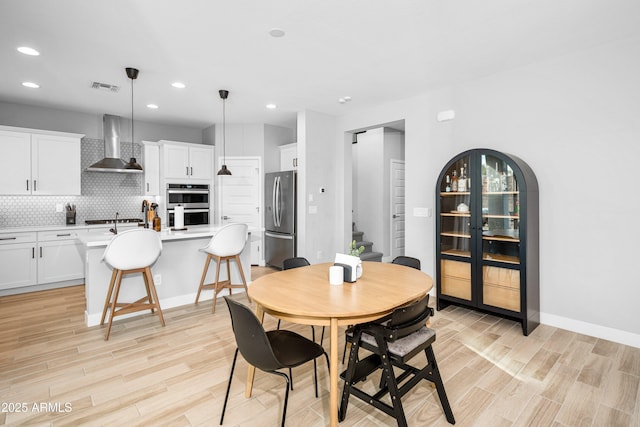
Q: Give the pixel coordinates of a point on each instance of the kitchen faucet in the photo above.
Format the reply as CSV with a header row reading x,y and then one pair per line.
x,y
145,210
114,230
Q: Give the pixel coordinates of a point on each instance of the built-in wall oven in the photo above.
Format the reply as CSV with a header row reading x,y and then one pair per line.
x,y
195,198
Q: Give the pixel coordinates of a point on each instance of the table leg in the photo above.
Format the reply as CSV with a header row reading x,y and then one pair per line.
x,y
252,370
333,372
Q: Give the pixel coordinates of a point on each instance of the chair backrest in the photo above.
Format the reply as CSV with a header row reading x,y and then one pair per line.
x,y
409,318
407,261
251,338
294,263
229,240
131,249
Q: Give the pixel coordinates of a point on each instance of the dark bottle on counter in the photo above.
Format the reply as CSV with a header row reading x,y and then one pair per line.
x,y
156,223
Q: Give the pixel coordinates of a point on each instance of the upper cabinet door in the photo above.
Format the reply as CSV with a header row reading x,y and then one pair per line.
x,y
176,161
15,163
288,157
201,162
55,165
151,170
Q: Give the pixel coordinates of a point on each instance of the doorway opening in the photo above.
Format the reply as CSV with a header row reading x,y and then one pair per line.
x,y
378,202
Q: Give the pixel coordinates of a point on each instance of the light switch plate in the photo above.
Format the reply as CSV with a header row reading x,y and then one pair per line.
x,y
422,212
58,207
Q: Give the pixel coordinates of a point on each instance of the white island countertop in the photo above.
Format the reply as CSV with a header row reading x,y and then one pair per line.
x,y
98,239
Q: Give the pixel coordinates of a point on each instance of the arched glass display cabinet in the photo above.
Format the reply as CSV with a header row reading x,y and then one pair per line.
x,y
487,236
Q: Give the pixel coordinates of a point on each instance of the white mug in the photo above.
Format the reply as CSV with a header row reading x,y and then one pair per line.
x,y
336,275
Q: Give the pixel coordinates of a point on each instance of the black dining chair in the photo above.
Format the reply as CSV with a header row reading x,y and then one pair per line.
x,y
407,261
269,351
393,342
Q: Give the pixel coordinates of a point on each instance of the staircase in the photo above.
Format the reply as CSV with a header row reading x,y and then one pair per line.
x,y
368,254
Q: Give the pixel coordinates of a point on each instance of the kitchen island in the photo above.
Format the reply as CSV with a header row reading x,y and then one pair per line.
x,y
176,273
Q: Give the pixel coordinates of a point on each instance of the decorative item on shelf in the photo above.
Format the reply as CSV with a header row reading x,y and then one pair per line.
x,y
132,73
224,94
463,208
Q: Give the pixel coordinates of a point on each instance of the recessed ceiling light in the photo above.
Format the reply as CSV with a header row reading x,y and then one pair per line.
x,y
28,51
271,106
276,32
152,106
344,99
31,85
178,85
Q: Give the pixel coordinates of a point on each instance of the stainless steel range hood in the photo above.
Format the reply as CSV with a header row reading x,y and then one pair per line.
x,y
112,161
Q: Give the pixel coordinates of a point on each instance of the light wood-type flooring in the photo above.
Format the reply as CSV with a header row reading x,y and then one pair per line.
x,y
55,371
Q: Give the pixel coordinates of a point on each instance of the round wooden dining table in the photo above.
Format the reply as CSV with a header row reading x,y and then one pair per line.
x,y
303,295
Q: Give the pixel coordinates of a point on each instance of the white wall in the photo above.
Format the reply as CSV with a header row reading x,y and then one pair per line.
x,y
90,125
318,167
574,119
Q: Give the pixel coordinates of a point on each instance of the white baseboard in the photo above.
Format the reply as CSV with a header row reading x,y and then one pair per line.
x,y
591,329
580,327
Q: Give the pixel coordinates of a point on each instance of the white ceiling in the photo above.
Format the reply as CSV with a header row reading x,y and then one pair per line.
x,y
375,51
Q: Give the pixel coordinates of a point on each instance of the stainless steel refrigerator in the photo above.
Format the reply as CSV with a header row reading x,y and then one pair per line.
x,y
280,217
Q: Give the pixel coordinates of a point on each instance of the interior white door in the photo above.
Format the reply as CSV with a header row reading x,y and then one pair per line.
x,y
240,198
397,208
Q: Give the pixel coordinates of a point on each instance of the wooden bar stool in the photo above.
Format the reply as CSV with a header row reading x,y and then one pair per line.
x,y
132,251
225,245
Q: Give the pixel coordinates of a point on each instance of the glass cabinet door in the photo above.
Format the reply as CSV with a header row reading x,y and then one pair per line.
x,y
500,234
455,230
500,211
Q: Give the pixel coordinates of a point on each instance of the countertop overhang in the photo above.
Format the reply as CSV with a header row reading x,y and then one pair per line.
x,y
91,240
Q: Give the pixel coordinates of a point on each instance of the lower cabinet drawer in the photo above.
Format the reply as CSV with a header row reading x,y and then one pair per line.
x,y
456,279
501,287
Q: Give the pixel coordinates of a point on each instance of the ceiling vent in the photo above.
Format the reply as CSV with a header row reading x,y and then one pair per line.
x,y
105,87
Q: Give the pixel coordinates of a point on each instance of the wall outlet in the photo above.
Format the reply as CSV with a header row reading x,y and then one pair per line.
x,y
319,255
58,207
157,279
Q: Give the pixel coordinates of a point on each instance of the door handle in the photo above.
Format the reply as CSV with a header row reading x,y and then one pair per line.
x,y
27,185
187,168
34,185
40,251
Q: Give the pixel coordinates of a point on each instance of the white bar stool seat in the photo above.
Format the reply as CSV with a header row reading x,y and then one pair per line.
x,y
132,251
225,245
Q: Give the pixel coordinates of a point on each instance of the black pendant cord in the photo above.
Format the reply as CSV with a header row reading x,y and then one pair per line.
x,y
133,154
224,132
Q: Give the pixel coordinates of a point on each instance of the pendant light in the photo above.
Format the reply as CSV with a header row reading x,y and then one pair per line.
x,y
132,73
223,170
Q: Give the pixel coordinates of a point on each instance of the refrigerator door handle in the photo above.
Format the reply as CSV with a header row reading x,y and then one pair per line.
x,y
273,201
278,202
279,236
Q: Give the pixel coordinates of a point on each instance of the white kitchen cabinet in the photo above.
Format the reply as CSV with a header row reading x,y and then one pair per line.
x,y
288,157
151,168
39,162
183,161
60,256
18,260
